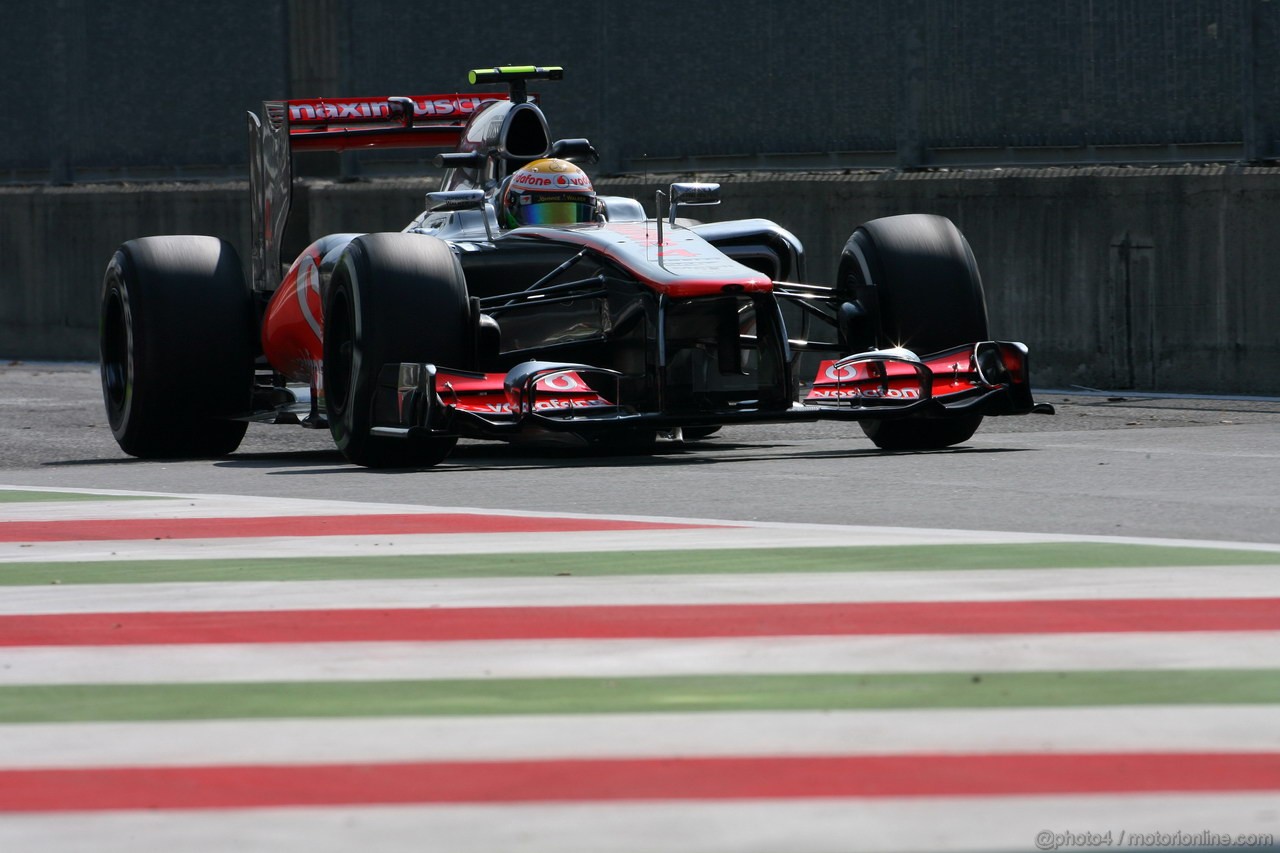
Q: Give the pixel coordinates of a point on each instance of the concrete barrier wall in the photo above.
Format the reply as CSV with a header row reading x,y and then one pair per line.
x,y
56,243
1153,279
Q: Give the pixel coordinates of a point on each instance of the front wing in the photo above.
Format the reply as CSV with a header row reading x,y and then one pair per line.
x,y
986,378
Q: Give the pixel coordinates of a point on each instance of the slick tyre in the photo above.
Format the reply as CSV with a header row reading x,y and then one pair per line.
x,y
917,277
176,346
392,298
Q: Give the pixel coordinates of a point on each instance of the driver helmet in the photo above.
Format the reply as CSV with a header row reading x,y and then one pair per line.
x,y
548,192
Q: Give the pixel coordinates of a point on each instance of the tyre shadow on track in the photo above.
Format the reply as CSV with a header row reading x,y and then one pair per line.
x,y
256,460
498,458
491,457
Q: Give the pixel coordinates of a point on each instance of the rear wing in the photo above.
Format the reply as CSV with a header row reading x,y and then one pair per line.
x,y
335,124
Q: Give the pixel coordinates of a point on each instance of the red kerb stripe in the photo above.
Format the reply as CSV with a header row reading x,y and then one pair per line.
x,y
106,530
642,621
633,779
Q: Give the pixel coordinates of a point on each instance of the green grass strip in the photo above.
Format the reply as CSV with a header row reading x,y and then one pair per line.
x,y
24,496
888,558
142,702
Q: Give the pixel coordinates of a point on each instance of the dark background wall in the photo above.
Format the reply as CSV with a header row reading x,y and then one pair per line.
x,y
146,88
134,88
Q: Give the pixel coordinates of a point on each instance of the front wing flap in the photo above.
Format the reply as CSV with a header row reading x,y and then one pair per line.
x,y
989,378
899,380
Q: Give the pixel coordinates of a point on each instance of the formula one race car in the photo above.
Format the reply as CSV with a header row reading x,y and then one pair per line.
x,y
520,306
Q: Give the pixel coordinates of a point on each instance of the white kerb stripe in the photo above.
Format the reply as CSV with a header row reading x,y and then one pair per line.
x,y
265,662
815,588
1202,728
877,824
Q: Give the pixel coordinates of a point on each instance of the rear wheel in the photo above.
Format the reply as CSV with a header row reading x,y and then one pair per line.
x,y
392,298
917,277
176,347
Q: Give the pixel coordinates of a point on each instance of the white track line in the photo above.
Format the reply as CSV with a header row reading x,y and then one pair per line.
x,y
1226,728
631,658
887,825
818,588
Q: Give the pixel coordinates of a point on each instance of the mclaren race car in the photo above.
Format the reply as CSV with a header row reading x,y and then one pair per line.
x,y
506,312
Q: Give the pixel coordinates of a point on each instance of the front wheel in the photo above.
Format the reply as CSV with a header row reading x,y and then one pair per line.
x,y
918,279
922,433
392,298
176,347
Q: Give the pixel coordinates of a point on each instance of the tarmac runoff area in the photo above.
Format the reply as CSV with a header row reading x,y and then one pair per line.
x,y
178,678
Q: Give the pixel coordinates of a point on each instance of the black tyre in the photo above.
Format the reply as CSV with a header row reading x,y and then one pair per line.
x,y
392,298
916,276
176,345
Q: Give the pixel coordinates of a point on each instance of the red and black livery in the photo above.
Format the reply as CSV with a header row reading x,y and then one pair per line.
x,y
609,332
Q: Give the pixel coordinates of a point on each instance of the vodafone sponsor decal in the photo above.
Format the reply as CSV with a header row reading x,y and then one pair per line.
x,y
555,404
842,373
556,181
568,391
864,394
837,381
309,300
562,382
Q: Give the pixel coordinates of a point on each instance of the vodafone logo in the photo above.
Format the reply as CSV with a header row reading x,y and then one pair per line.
x,y
841,374
309,292
865,394
563,382
562,182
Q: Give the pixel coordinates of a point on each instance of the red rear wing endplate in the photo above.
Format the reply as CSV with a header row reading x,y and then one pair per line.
x,y
336,124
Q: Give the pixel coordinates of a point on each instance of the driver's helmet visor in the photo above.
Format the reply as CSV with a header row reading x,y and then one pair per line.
x,y
553,208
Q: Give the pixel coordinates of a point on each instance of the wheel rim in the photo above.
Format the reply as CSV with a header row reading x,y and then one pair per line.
x,y
115,351
339,358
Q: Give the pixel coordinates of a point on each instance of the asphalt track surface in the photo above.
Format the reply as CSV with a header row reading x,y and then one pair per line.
x,y
780,638
1110,464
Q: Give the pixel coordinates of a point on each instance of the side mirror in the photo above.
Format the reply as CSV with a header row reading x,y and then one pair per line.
x,y
449,200
455,200
575,150
693,195
459,160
